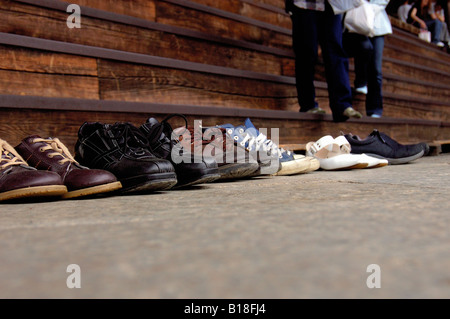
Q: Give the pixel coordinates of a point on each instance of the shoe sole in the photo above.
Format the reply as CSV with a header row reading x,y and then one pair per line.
x,y
37,191
378,165
313,162
315,165
265,170
206,178
237,170
403,160
297,166
356,166
148,183
106,188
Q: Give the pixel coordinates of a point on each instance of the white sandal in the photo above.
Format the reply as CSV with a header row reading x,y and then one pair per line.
x,y
331,156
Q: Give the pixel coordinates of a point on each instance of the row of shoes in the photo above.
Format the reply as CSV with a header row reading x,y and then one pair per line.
x,y
125,159
349,151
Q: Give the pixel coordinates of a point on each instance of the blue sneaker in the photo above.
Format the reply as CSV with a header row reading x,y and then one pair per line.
x,y
267,159
291,164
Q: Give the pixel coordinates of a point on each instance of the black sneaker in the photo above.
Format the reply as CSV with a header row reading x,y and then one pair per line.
x,y
191,168
380,145
122,150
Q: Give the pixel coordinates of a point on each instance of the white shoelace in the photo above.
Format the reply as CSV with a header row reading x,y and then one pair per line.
x,y
261,141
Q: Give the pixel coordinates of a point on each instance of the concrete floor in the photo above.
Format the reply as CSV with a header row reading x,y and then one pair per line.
x,y
295,237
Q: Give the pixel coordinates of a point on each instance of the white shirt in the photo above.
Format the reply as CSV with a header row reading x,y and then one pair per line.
x,y
403,11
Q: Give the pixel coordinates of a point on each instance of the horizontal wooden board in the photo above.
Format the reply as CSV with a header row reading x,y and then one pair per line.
x,y
170,14
417,89
49,85
413,44
131,82
408,70
143,9
38,61
406,107
398,53
251,10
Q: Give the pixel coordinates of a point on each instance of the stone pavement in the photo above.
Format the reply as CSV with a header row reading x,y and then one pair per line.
x,y
305,236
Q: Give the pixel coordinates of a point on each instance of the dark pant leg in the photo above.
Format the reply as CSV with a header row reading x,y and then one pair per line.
x,y
435,27
374,98
336,62
363,53
304,37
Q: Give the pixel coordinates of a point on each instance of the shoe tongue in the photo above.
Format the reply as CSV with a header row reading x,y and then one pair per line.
x,y
152,121
251,129
375,133
36,136
226,126
385,138
153,124
249,125
129,138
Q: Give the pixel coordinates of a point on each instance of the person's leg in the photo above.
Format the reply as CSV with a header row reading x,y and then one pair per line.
x,y
374,98
363,55
435,27
336,63
304,39
360,48
445,35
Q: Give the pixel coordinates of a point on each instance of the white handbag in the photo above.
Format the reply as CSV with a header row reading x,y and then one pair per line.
x,y
425,35
361,19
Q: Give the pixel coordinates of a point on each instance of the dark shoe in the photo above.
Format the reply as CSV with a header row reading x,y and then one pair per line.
x,y
122,150
192,168
380,145
316,110
234,162
52,155
426,148
18,180
352,113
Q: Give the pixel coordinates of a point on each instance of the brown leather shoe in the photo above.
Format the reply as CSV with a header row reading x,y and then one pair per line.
x,y
18,180
233,162
51,155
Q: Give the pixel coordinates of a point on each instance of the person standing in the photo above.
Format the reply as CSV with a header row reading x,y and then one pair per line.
x,y
368,58
314,23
